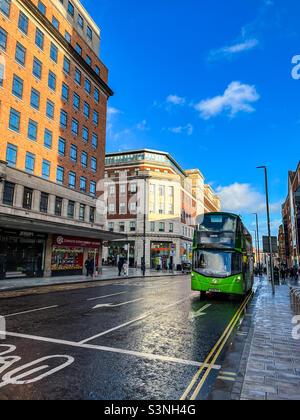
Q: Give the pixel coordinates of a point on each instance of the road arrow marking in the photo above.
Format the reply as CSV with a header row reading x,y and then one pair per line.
x,y
200,312
111,305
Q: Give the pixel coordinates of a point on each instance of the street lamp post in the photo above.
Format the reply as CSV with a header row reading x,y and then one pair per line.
x,y
269,227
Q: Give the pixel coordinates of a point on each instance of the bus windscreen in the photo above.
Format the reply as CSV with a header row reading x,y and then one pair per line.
x,y
218,223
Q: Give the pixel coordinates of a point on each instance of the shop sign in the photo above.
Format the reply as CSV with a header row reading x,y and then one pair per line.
x,y
73,242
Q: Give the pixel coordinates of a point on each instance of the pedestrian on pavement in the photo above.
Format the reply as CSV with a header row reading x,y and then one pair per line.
x,y
120,265
92,267
87,266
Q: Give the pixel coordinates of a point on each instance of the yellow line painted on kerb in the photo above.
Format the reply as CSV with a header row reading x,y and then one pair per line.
x,y
225,336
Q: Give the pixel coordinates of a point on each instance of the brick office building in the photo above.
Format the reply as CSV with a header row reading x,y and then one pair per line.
x,y
291,219
53,104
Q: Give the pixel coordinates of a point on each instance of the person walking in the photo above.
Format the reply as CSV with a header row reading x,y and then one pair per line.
x,y
120,265
87,267
92,267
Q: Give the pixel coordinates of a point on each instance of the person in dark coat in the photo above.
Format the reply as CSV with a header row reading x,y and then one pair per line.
x,y
120,265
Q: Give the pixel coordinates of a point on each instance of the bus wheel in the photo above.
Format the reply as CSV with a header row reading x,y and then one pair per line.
x,y
202,295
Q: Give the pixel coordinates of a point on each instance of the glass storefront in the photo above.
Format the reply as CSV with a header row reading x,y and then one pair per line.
x,y
161,255
119,249
22,253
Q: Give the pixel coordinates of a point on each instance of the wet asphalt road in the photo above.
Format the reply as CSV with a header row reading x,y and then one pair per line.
x,y
133,340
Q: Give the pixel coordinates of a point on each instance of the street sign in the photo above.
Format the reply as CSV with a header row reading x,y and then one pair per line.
x,y
266,245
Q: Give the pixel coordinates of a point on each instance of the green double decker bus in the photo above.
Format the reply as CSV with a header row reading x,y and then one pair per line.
x,y
223,259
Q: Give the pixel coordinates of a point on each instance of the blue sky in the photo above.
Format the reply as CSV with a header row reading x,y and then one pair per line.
x,y
210,83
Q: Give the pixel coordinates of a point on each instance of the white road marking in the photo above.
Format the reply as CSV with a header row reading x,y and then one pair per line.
x,y
111,350
200,312
33,310
102,297
134,320
111,305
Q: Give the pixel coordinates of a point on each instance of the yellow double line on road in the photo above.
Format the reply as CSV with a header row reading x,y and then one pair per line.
x,y
214,354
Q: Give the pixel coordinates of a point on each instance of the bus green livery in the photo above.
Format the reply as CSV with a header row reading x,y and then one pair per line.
x,y
223,259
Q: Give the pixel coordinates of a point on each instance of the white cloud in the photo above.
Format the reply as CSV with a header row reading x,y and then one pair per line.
x,y
175,100
229,51
142,126
188,129
112,111
236,98
243,198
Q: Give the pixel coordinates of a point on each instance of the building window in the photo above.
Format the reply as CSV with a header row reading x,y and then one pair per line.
x,y
78,76
55,23
132,208
161,190
52,81
112,190
83,184
17,88
46,169
89,33
97,70
152,226
23,23
63,118
58,206
79,49
67,66
95,141
72,180
97,95
94,164
122,209
32,130
44,203
48,139
65,92
85,134
8,193
111,208
29,163
171,227
20,54
75,127
35,99
122,189
14,120
161,226
39,39
61,146
27,198
132,226
80,21
42,8
93,189
3,39
122,226
92,214
11,154
1,74
76,101
50,109
73,153
5,7
111,226
88,60
71,208
60,175
82,212
96,118
84,158
86,110
87,86
133,188
53,52
68,37
37,68
71,9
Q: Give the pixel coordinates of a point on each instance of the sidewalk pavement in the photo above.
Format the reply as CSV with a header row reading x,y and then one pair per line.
x,y
268,367
108,273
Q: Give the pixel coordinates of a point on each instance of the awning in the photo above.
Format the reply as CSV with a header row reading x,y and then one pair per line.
x,y
44,226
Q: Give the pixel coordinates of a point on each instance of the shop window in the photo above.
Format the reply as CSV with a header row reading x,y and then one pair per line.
x,y
27,198
8,193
